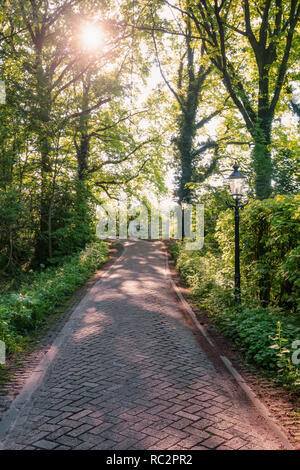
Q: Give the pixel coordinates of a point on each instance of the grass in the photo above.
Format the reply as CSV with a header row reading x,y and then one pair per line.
x,y
24,312
265,336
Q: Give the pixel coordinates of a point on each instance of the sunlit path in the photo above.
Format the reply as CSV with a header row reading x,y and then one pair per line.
x,y
131,375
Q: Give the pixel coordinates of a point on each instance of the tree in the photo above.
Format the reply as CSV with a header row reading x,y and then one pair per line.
x,y
250,44
66,140
190,81
198,99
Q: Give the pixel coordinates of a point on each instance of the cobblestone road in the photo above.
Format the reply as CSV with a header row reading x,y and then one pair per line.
x,y
131,375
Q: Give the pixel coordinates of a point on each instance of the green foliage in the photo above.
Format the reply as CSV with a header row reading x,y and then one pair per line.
x,y
254,332
272,224
283,354
73,222
9,213
269,250
27,309
70,129
260,46
285,167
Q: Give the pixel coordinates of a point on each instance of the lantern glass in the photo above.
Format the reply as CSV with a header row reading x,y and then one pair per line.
x,y
237,182
237,186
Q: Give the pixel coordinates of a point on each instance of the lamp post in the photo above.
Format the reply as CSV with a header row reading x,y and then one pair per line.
x,y
182,220
237,182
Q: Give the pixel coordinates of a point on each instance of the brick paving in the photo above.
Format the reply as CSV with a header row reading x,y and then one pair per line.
x,y
131,375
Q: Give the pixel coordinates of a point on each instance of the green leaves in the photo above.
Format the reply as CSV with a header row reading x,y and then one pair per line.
x,y
264,335
269,250
27,309
284,362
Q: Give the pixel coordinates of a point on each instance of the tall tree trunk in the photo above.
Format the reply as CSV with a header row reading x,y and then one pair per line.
x,y
187,128
262,163
185,147
82,144
42,241
261,156
44,147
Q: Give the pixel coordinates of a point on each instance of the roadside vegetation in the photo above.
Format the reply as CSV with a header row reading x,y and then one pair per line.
x,y
267,324
24,311
152,101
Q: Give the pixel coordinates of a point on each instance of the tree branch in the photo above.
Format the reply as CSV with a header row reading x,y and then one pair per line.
x,y
293,19
89,110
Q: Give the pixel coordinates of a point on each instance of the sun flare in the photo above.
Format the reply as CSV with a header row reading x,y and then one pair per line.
x,y
91,36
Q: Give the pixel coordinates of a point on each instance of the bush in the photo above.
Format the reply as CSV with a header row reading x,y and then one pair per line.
x,y
269,251
270,270
13,248
28,308
254,332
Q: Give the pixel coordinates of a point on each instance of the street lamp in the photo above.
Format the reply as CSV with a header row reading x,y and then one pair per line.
x,y
237,183
182,220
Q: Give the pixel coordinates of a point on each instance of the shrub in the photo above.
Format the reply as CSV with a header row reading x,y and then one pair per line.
x,y
269,265
269,250
28,308
254,332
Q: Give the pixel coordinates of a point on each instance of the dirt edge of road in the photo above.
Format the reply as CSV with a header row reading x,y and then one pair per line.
x,y
281,407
